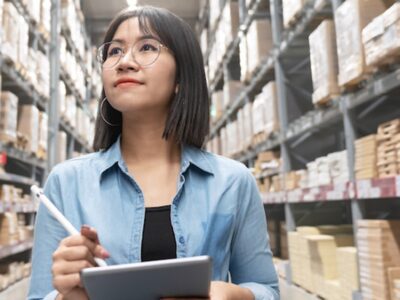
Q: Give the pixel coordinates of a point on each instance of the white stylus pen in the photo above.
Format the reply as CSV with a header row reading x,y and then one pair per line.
x,y
38,193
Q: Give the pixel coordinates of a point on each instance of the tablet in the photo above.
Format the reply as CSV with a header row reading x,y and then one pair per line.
x,y
181,277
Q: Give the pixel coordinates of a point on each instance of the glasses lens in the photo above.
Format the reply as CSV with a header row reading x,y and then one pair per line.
x,y
146,51
109,54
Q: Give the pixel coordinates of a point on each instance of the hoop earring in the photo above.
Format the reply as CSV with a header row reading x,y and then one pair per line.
x,y
102,116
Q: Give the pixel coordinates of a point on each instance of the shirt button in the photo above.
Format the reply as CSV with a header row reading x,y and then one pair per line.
x,y
181,240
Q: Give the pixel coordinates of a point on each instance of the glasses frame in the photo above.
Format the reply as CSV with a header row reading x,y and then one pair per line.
x,y
101,49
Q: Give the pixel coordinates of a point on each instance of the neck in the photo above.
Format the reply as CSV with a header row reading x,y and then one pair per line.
x,y
142,143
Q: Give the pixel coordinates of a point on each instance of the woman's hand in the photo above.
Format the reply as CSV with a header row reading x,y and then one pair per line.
x,y
221,290
74,254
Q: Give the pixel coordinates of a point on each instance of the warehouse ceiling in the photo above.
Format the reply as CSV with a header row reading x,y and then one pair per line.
x,y
98,13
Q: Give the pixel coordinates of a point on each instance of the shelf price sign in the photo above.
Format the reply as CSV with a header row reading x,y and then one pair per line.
x,y
3,159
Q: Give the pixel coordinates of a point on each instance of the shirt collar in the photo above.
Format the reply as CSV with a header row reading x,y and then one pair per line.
x,y
190,156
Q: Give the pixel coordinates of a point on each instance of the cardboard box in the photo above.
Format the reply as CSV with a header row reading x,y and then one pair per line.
x,y
8,117
350,18
260,43
324,63
28,125
348,271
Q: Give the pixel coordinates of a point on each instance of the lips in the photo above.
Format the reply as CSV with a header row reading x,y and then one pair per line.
x,y
127,81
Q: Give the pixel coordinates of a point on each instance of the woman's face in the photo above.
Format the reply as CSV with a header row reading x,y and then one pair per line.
x,y
155,83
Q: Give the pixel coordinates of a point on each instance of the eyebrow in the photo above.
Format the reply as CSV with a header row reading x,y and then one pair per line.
x,y
143,37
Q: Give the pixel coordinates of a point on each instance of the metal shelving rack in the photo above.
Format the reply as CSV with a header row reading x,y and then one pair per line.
x,y
307,132
22,168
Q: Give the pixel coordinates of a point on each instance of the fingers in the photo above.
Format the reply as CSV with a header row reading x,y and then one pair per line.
x,y
90,233
65,283
79,240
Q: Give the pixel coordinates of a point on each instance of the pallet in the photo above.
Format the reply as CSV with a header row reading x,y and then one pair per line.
x,y
355,83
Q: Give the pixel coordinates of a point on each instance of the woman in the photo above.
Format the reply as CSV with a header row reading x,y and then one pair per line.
x,y
149,191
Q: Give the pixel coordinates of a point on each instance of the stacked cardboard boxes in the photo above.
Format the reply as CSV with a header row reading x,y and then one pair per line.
x,y
350,19
324,65
8,229
8,117
366,157
12,272
347,266
312,252
379,249
388,138
394,282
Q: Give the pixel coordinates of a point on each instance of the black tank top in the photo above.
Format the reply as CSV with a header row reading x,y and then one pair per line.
x,y
158,240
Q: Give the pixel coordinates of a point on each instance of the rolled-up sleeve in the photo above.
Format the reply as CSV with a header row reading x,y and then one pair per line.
x,y
251,263
47,235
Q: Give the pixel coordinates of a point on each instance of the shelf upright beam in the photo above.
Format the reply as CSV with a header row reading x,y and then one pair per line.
x,y
276,21
54,81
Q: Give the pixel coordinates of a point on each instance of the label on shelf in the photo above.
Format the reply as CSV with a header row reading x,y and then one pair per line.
x,y
398,186
3,159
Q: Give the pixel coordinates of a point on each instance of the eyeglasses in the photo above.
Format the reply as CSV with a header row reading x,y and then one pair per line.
x,y
144,52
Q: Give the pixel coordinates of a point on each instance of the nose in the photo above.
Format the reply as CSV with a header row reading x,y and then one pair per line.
x,y
127,63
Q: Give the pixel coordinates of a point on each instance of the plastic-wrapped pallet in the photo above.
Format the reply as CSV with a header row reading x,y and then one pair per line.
x,y
291,9
348,271
1,20
28,126
248,124
217,105
23,38
366,157
43,74
231,92
61,147
379,249
338,166
241,132
244,60
71,110
232,133
324,65
258,113
381,37
372,37
34,9
215,10
224,141
8,117
230,21
260,43
272,116
45,15
62,94
350,19
43,130
10,31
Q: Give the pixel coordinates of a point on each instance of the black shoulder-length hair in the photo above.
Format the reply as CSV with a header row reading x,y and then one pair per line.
x,y
188,119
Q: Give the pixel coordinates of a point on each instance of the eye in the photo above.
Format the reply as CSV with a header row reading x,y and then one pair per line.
x,y
148,47
114,50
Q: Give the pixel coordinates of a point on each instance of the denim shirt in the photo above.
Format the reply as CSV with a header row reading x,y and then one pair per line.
x,y
217,211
